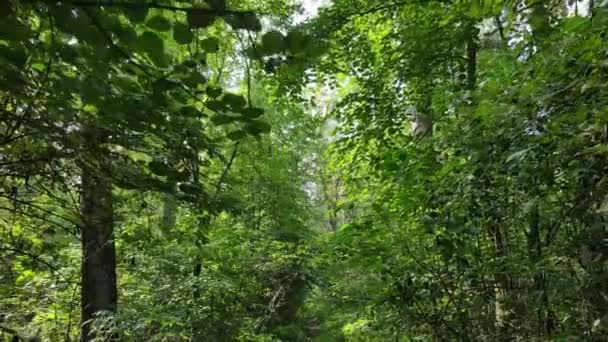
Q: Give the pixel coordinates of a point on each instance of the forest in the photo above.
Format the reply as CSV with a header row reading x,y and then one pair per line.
x,y
303,170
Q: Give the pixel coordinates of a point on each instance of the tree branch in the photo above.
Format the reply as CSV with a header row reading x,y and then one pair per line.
x,y
225,172
54,269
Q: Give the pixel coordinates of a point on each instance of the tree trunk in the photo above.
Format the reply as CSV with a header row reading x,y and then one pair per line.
x,y
503,283
472,46
169,212
98,290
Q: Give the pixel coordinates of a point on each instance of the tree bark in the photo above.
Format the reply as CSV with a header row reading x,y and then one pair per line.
x,y
98,291
535,251
169,212
503,283
472,46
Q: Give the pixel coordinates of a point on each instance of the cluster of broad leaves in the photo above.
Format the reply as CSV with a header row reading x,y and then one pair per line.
x,y
253,257
491,226
385,171
124,75
149,95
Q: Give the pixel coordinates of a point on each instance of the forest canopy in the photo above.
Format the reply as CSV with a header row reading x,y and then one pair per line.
x,y
283,170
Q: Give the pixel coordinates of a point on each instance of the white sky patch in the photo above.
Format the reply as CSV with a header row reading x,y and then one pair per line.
x,y
311,8
579,7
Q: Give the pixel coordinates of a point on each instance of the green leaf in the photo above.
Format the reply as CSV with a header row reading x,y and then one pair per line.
x,y
213,92
216,106
210,45
182,34
190,189
599,149
191,112
128,84
25,276
257,127
127,35
600,18
37,66
187,67
194,79
137,15
222,119
159,168
14,54
518,156
11,79
12,29
237,135
153,46
234,101
159,23
251,52
178,176
297,42
273,42
162,85
244,21
252,112
476,9
207,252
150,42
199,18
190,64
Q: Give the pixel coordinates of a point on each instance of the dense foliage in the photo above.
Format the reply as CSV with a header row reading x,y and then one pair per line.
x,y
379,171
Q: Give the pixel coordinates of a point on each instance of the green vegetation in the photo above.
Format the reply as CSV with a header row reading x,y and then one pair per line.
x,y
216,170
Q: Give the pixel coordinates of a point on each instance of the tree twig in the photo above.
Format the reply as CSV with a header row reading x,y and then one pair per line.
x,y
221,180
38,259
